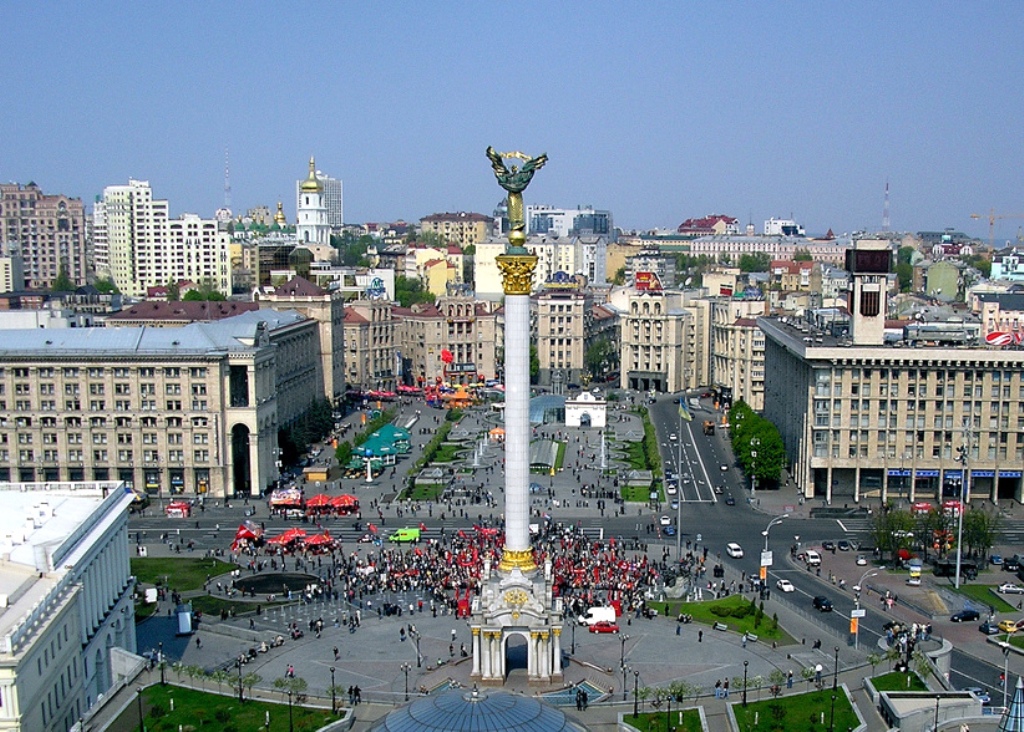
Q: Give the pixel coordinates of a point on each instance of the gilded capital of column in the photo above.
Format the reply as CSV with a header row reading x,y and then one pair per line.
x,y
474,631
557,630
521,559
516,272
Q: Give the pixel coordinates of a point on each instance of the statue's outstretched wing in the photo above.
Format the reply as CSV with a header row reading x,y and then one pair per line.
x,y
534,164
496,162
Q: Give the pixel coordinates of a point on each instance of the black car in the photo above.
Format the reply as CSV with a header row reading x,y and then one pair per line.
x,y
822,604
965,615
829,546
1011,564
730,501
844,545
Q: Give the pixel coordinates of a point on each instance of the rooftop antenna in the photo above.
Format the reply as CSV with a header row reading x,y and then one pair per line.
x,y
885,209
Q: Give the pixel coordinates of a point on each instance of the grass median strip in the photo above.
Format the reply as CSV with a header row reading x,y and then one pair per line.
x,y
735,611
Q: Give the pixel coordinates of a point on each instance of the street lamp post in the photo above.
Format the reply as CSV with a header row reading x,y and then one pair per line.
x,y
622,650
238,663
636,694
572,649
835,672
745,664
160,658
754,443
857,590
1006,670
406,667
832,715
625,670
964,494
415,635
291,724
334,694
142,721
668,712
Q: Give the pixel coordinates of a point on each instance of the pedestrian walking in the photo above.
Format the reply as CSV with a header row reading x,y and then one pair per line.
x,y
700,636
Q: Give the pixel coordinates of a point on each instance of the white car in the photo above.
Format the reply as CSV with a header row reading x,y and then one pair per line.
x,y
665,521
734,550
671,489
724,468
1009,588
673,437
785,585
861,560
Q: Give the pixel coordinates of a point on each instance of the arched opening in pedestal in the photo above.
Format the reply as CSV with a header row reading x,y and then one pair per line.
x,y
585,420
516,652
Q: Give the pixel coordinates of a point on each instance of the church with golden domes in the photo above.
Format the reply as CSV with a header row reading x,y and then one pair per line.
x,y
312,226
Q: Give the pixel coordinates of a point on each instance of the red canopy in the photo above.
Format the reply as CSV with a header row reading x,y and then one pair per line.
x,y
318,501
345,500
319,539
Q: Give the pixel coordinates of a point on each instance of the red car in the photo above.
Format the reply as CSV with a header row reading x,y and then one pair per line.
x,y
603,626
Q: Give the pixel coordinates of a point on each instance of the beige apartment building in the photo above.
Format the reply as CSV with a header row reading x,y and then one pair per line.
x,y
461,228
563,318
48,231
737,350
461,325
656,345
138,245
371,357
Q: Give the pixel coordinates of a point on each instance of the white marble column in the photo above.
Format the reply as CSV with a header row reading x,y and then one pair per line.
x,y
556,655
517,423
476,652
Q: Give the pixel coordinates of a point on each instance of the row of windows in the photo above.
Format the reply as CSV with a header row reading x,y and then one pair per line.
x,y
98,372
75,455
100,438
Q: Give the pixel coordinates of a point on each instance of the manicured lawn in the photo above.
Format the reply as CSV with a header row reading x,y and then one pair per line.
x,y
640,495
1016,639
560,456
194,709
448,452
686,721
701,612
180,573
210,605
896,681
429,492
797,713
986,596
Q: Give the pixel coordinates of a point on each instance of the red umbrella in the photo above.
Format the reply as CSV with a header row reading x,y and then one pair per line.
x,y
318,501
319,539
344,500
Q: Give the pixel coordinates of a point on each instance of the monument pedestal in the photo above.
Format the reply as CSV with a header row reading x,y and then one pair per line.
x,y
513,603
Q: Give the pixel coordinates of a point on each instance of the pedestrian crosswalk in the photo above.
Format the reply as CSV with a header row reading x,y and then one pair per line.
x,y
1011,531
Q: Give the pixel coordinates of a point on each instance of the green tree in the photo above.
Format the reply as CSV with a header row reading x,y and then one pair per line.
x,y
205,292
250,680
62,283
106,286
906,255
754,262
409,291
981,531
600,357
905,275
892,530
802,255
352,249
173,291
619,278
534,363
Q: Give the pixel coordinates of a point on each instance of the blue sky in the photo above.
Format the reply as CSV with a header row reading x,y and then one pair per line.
x,y
658,110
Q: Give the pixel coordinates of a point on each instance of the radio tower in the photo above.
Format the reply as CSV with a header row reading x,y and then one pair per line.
x,y
227,181
885,209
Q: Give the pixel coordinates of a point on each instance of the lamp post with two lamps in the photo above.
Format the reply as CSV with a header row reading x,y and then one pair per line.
x,y
625,670
142,720
622,649
745,664
334,694
415,635
160,659
406,668
291,724
765,558
238,664
835,673
636,693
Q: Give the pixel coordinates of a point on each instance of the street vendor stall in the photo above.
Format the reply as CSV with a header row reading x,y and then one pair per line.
x,y
178,509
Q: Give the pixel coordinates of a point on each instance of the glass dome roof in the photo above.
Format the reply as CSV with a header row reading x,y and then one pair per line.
x,y
477,711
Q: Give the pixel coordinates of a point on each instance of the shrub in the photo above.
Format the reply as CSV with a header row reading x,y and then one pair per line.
x,y
222,715
720,611
740,612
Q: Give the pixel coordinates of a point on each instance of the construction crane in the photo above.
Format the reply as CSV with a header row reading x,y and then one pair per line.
x,y
992,216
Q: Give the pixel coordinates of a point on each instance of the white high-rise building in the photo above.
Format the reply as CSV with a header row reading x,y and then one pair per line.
x,y
312,225
145,248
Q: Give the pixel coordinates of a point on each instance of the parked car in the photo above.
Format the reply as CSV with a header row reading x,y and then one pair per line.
x,y
828,545
1010,626
1009,588
989,628
844,545
785,585
996,560
822,604
965,615
862,560
1011,564
603,626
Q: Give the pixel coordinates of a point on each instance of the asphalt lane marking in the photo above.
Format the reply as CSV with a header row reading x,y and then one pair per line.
x,y
845,530
707,478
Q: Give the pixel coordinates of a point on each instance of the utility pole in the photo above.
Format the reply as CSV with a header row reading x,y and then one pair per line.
x,y
965,488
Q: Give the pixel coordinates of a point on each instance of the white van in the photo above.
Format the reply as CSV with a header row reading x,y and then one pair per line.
x,y
734,550
596,615
812,558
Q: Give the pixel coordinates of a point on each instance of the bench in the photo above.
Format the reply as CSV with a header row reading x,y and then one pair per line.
x,y
751,637
721,626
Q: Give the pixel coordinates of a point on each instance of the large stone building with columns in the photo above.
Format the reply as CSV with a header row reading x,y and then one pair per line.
x,y
869,417
67,630
190,410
